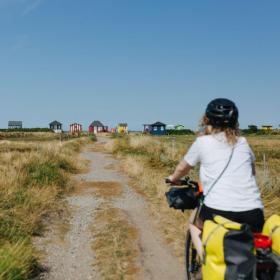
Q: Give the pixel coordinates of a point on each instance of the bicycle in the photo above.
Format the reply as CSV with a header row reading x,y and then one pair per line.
x,y
268,263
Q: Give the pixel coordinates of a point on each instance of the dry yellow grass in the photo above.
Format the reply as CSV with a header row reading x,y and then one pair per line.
x,y
115,244
115,239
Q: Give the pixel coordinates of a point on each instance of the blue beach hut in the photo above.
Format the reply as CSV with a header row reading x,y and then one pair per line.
x,y
157,128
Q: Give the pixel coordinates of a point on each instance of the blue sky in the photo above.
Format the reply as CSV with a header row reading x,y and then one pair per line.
x,y
137,61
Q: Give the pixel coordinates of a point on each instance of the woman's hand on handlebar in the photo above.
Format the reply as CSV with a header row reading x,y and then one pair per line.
x,y
170,180
181,170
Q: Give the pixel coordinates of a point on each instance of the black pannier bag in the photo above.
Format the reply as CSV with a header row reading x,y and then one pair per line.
x,y
228,250
182,198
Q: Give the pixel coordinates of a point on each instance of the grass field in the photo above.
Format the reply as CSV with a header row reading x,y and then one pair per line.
x,y
35,171
34,176
148,160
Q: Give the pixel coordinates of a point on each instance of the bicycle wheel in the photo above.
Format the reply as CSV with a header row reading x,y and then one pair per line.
x,y
193,263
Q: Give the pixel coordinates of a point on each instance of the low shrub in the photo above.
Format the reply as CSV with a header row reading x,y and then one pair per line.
x,y
44,174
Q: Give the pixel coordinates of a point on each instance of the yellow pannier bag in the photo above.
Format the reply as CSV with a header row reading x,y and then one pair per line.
x,y
272,229
228,251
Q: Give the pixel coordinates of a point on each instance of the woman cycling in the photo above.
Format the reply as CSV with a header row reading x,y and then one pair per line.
x,y
227,170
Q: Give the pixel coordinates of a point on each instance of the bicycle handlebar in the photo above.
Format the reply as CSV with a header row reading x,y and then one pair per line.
x,y
167,181
183,182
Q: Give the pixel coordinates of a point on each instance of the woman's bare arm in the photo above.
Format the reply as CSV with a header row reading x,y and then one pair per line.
x,y
181,170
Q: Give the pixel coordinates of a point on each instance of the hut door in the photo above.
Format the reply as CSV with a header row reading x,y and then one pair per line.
x,y
95,129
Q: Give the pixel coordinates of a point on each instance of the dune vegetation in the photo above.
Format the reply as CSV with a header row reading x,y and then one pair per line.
x,y
34,135
148,160
34,176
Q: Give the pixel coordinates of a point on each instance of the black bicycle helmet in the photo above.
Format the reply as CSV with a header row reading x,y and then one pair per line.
x,y
222,112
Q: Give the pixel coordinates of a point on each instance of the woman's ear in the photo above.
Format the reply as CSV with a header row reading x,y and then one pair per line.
x,y
205,121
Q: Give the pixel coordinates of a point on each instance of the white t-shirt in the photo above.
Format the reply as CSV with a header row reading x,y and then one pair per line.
x,y
237,189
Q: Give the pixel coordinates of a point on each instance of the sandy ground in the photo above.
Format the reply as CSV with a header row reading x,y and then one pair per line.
x,y
72,257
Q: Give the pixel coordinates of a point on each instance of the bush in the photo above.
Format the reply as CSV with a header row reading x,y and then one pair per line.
x,y
179,132
259,132
92,137
44,174
66,165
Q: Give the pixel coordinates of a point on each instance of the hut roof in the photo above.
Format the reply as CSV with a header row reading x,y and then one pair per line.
x,y
55,123
158,124
75,124
97,123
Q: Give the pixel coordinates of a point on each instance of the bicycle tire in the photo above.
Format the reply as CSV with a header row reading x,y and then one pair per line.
x,y
264,276
190,255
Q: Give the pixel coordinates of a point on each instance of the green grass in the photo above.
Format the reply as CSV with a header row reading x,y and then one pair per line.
x,y
44,174
17,261
92,137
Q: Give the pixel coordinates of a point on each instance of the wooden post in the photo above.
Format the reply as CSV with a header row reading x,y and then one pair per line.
x,y
266,178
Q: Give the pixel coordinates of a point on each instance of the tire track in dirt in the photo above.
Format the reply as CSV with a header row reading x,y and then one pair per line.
x,y
74,258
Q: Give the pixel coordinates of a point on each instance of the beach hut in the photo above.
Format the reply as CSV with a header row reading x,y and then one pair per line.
x,y
56,126
122,128
267,127
97,127
15,124
147,128
179,127
76,128
157,128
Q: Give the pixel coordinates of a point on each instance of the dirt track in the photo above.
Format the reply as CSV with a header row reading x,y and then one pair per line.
x,y
73,258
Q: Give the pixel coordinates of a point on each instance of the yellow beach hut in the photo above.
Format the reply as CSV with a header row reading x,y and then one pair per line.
x,y
122,128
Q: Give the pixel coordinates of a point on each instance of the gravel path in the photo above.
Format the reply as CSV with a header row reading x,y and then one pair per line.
x,y
73,259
